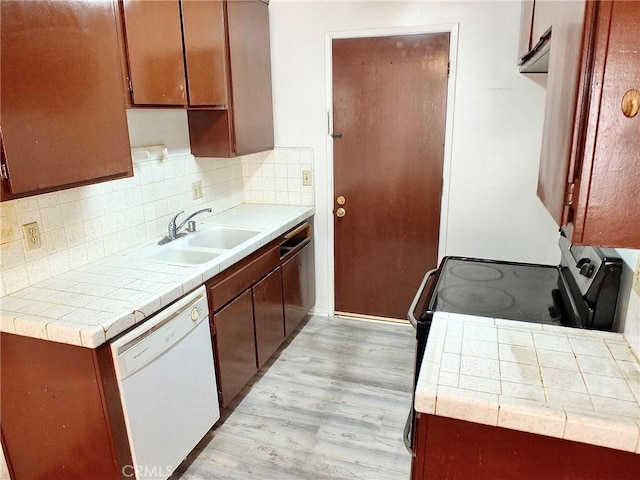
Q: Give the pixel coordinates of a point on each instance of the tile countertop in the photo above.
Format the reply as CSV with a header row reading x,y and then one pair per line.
x,y
580,385
94,303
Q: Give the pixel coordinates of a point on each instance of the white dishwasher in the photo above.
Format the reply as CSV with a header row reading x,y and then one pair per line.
x,y
167,385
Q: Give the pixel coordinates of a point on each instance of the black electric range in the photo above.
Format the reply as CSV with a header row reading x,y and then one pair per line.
x,y
580,292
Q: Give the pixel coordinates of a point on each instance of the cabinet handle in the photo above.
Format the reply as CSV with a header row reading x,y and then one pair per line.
x,y
293,233
631,103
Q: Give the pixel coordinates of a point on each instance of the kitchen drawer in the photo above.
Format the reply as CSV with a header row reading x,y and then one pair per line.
x,y
242,276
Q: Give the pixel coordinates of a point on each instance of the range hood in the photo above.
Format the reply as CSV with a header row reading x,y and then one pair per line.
x,y
537,59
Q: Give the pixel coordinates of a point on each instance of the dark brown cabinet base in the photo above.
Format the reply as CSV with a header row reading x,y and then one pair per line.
x,y
447,448
61,412
268,316
298,285
234,347
256,304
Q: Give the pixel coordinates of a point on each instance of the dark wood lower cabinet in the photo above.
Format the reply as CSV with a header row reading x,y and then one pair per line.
x,y
298,285
60,409
256,304
268,315
447,448
234,346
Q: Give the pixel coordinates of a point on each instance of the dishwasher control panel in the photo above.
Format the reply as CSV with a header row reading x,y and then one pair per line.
x,y
152,338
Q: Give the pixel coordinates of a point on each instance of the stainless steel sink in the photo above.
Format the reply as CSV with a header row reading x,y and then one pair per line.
x,y
221,237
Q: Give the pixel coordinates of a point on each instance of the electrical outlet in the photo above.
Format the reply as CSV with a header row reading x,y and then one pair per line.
x,y
306,178
636,278
32,235
196,190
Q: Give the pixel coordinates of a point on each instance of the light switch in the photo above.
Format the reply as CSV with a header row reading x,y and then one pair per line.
x,y
306,178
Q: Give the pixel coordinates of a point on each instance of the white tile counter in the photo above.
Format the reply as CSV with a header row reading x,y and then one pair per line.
x,y
580,385
96,302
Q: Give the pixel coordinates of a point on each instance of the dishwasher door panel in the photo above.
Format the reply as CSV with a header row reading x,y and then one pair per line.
x,y
170,404
168,388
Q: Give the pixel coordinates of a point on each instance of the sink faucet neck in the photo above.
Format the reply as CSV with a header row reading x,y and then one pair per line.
x,y
173,230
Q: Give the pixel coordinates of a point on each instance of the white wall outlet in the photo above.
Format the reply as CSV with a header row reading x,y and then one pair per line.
x,y
196,190
32,235
306,178
636,277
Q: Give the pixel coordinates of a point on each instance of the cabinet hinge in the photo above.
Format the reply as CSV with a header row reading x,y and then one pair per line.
x,y
130,84
570,190
4,171
448,68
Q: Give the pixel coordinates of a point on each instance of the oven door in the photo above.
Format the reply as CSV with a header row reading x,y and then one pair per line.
x,y
420,316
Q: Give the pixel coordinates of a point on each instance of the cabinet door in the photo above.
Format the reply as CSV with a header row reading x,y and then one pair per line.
x,y
235,346
608,188
54,405
298,287
205,51
63,104
250,60
268,315
545,15
560,107
154,47
526,24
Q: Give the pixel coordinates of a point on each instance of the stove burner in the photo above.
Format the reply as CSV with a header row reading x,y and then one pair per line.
x,y
475,272
536,275
484,299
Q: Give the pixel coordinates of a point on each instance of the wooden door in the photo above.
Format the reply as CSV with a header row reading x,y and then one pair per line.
x,y
268,315
389,106
154,47
235,348
63,105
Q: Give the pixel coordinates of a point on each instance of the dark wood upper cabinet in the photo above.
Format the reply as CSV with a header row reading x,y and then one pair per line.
x,y
63,118
176,51
154,45
562,85
205,53
247,126
210,56
589,170
249,52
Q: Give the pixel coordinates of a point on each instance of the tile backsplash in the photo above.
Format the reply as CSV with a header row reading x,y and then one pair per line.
x,y
84,224
276,177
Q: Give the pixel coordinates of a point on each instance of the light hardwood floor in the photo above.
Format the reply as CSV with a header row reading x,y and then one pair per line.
x,y
331,404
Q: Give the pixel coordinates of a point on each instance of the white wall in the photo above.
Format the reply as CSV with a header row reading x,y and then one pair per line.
x,y
497,119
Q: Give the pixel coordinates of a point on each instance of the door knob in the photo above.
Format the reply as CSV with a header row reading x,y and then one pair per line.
x,y
341,212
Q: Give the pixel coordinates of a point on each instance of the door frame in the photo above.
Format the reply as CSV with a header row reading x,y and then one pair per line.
x,y
452,29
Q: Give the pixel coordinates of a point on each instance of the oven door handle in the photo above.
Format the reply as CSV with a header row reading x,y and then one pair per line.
x,y
416,299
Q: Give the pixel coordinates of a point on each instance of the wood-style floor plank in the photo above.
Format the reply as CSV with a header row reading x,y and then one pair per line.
x,y
331,404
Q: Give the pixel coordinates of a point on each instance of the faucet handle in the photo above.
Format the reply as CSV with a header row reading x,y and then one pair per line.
x,y
173,220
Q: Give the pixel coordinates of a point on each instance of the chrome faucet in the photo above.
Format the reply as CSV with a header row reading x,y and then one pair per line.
x,y
174,231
